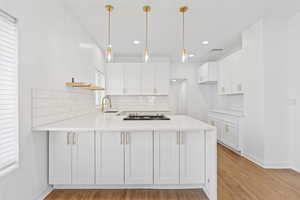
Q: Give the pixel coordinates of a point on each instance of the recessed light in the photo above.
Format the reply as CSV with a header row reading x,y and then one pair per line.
x,y
205,42
191,55
136,42
174,80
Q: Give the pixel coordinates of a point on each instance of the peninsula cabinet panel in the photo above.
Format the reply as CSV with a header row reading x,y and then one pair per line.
x,y
139,158
109,158
60,158
71,158
166,154
192,157
83,158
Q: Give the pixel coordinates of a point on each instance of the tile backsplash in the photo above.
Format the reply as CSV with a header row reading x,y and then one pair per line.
x,y
143,103
50,106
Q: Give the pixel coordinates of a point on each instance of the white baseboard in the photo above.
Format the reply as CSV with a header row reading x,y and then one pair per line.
x,y
295,169
253,159
128,186
268,165
45,193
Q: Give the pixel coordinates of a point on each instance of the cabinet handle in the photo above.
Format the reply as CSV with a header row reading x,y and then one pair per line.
x,y
182,138
68,138
121,137
74,138
126,138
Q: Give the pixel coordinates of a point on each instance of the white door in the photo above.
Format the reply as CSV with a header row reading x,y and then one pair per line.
x,y
139,158
147,78
60,158
114,79
83,158
162,79
109,158
132,78
166,154
192,157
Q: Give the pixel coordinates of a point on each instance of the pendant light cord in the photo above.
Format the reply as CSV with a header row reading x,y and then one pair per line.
x,y
109,45
183,31
147,29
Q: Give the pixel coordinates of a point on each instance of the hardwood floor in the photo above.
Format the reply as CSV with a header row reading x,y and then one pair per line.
x,y
127,195
238,179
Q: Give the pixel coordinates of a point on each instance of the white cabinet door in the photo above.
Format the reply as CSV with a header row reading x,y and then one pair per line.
x,y
237,73
162,79
148,78
230,136
114,79
60,158
225,75
139,158
166,154
83,158
192,157
132,78
109,158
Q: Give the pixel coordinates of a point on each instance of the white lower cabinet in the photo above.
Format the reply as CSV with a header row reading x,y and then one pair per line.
x,y
139,158
166,154
192,157
132,158
109,158
71,158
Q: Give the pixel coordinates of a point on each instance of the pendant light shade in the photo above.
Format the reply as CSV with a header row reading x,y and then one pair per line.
x,y
109,52
147,9
184,55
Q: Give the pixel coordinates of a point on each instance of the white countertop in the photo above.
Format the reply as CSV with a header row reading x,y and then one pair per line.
x,y
111,122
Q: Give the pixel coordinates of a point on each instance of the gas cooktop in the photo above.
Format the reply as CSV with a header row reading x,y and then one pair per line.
x,y
146,117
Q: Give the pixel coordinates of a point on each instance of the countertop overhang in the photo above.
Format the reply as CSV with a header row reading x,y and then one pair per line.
x,y
111,122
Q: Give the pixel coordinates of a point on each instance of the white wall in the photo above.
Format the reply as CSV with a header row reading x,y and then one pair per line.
x,y
49,56
293,88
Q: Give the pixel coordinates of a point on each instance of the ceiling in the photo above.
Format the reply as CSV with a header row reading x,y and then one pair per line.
x,y
218,21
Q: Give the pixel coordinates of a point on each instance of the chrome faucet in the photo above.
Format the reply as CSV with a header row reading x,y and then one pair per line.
x,y
103,102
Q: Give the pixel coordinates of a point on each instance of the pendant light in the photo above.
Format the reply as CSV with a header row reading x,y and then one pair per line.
x,y
109,53
184,55
147,9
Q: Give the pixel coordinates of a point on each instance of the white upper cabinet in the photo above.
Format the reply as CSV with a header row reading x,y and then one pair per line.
x,y
137,78
166,154
109,158
132,76
208,73
230,75
148,78
114,79
139,158
162,78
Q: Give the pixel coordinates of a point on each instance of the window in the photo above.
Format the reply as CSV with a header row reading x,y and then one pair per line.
x,y
9,119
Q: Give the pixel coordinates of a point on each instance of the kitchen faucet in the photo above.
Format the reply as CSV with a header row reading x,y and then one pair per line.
x,y
103,102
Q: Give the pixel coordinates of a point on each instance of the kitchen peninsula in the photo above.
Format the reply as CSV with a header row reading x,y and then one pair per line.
x,y
105,151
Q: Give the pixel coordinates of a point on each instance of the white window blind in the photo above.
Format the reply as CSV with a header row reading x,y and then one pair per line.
x,y
9,129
